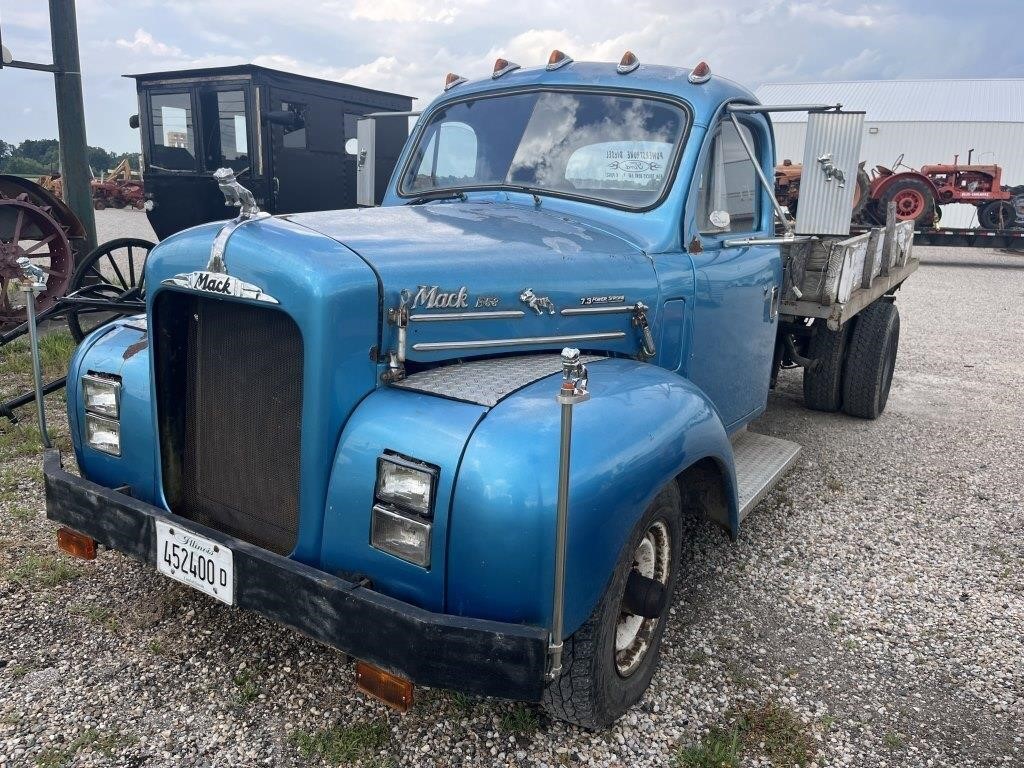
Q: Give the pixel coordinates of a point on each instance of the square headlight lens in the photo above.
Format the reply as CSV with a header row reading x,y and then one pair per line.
x,y
401,536
101,396
103,434
406,485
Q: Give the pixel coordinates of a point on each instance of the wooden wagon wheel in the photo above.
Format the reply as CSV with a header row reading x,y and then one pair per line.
x,y
114,270
29,231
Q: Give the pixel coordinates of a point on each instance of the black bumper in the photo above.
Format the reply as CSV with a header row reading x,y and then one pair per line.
x,y
488,658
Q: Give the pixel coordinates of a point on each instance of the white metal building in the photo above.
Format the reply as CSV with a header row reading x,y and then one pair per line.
x,y
928,121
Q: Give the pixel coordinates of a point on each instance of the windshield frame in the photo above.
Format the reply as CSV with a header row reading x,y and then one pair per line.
x,y
670,177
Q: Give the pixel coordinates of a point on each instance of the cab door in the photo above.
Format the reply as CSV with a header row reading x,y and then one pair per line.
x,y
734,316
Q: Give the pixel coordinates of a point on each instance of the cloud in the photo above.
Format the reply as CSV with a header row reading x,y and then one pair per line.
x,y
831,17
145,43
867,63
404,11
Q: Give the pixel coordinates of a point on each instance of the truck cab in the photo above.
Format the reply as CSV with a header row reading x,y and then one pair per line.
x,y
454,436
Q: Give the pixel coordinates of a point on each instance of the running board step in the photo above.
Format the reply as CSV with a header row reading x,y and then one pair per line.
x,y
761,461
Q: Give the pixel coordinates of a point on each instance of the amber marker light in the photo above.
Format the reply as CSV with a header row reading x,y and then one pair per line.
x,y
700,74
452,80
503,67
393,690
557,60
627,63
76,544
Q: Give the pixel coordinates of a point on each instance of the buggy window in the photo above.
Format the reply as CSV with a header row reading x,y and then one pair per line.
x,y
728,184
223,124
173,139
294,136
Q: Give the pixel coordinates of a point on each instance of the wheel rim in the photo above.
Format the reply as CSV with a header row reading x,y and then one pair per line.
x,y
28,231
115,270
910,203
633,634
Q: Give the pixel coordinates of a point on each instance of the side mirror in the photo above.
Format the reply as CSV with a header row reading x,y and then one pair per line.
x,y
133,121
720,219
285,117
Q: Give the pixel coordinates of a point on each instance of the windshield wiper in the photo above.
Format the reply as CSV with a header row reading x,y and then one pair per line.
x,y
430,197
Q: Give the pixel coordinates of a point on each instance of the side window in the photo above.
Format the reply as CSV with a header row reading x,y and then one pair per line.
x,y
449,158
295,135
223,124
174,144
728,193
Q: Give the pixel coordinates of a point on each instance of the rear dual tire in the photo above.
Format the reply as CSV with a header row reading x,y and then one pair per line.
x,y
608,663
855,364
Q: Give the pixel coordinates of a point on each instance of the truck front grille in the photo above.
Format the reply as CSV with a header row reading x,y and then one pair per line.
x,y
229,394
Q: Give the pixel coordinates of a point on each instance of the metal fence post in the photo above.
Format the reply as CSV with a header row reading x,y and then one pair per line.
x,y
33,283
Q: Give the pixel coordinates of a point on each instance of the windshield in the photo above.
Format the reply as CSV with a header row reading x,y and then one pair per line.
x,y
613,149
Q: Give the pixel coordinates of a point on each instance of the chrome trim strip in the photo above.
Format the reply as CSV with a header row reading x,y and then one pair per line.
x,y
614,309
437,317
434,346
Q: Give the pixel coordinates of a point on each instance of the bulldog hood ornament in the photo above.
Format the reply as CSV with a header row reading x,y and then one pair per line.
x,y
236,195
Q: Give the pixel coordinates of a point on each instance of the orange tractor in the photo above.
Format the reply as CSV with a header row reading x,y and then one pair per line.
x,y
919,193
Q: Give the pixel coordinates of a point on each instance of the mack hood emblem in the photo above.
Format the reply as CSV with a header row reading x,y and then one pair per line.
x,y
539,304
435,297
220,283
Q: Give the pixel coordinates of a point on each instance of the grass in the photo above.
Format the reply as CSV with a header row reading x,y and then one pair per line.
x,y
721,748
463,702
343,744
768,729
44,570
893,740
107,744
519,720
248,688
97,614
20,670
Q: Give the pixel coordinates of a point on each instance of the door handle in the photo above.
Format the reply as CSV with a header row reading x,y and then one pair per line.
x,y
772,297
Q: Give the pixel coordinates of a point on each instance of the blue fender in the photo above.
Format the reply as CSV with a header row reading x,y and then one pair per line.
x,y
120,348
641,428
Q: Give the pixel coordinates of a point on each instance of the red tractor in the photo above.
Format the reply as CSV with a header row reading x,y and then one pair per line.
x,y
918,194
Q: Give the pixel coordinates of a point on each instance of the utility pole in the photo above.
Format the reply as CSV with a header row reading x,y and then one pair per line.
x,y
67,79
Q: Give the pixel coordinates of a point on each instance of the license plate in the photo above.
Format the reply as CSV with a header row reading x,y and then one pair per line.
x,y
195,560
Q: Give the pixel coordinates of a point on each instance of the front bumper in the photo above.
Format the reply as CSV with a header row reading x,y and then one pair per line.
x,y
487,658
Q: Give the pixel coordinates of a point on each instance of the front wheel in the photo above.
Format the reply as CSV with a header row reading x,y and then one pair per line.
x,y
608,663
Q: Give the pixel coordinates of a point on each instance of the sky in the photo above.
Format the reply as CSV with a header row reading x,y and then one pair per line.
x,y
407,46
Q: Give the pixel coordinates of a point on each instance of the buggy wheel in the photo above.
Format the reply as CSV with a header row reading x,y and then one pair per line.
x,y
871,360
823,382
608,663
114,270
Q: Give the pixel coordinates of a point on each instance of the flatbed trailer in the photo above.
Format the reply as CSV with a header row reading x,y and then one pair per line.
x,y
1009,239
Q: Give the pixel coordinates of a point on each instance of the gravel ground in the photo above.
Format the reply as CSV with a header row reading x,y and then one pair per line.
x,y
869,615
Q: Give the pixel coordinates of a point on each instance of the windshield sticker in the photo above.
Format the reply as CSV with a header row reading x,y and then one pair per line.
x,y
620,164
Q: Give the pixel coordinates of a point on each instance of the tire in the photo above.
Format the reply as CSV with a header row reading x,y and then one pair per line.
x,y
914,201
871,360
823,386
999,214
591,691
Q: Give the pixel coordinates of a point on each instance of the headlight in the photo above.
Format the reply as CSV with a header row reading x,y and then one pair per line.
x,y
406,484
101,396
103,434
400,536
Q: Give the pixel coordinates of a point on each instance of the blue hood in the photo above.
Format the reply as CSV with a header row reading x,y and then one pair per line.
x,y
479,258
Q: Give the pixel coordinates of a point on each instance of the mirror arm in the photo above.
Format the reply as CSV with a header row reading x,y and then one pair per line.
x,y
786,221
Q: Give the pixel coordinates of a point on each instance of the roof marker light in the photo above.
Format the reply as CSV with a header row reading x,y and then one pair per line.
x,y
627,63
557,60
452,80
503,67
700,74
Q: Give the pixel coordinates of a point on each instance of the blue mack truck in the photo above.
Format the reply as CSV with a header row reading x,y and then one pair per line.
x,y
454,436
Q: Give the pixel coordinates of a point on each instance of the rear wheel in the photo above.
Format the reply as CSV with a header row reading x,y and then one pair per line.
x,y
608,663
871,360
823,382
914,201
999,214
